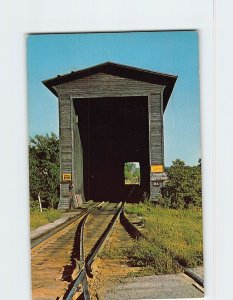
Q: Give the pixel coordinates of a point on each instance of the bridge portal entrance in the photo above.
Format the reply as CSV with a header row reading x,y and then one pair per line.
x,y
110,114
113,130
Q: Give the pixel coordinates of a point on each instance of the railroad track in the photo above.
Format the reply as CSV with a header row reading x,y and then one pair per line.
x,y
61,259
92,238
108,270
35,241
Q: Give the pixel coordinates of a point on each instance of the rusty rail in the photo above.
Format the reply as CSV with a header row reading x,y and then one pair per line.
x,y
44,236
87,263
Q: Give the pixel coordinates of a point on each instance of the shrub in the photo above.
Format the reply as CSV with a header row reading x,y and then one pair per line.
x,y
44,169
183,189
170,234
146,254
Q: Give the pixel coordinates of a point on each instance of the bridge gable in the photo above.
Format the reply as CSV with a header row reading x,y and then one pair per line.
x,y
106,85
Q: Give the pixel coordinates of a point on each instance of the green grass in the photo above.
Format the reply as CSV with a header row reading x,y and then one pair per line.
x,y
151,257
171,235
113,253
38,219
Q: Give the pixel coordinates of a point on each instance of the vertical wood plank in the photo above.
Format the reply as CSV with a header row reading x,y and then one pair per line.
x,y
155,102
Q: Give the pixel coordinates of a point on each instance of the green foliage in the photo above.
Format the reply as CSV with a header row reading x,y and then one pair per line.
x,y
183,189
146,254
38,219
140,209
44,169
171,233
34,205
114,252
132,173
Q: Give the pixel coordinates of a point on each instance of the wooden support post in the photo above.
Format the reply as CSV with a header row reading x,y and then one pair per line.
x,y
40,203
156,143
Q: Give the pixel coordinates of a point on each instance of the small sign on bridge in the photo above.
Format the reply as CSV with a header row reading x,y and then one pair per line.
x,y
159,177
66,176
157,169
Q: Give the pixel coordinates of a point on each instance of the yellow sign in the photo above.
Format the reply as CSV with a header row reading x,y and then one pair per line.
x,y
157,169
66,177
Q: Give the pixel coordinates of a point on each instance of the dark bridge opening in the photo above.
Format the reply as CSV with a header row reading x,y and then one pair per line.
x,y
113,131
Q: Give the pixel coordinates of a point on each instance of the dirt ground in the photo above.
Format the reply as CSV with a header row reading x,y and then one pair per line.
x,y
112,266
52,264
113,276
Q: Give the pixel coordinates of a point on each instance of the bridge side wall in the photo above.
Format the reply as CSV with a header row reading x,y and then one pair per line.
x,y
77,162
66,151
156,142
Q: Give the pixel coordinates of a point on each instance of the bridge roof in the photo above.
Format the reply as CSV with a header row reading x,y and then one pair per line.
x,y
118,70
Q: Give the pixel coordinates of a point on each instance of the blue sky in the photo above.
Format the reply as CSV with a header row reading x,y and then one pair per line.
x,y
174,52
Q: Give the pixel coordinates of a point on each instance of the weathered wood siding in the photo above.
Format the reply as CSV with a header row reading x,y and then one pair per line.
x,y
77,166
65,132
103,85
156,129
155,103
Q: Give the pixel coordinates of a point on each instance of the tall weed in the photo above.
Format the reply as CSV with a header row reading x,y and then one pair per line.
x,y
170,234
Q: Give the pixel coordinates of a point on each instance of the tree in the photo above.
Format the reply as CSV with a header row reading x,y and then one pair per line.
x,y
132,173
183,189
44,169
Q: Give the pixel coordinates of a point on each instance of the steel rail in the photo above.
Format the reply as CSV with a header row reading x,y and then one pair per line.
x,y
194,276
81,277
87,262
102,239
44,236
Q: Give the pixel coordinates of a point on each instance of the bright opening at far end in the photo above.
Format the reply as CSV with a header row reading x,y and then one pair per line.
x,y
132,173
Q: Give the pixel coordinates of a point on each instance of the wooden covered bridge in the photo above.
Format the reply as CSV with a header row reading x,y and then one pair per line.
x,y
111,114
